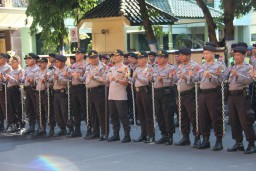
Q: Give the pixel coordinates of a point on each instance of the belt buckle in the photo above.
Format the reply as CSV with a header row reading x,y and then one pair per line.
x,y
137,89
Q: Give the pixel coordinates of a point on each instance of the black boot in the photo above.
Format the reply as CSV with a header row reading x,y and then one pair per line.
x,y
51,132
30,130
40,131
140,139
76,133
115,137
218,145
15,128
127,138
250,149
237,147
62,132
70,131
103,138
162,140
150,139
88,132
169,139
1,127
9,128
205,144
184,141
197,142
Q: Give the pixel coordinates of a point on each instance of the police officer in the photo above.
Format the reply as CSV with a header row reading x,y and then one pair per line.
x,y
4,69
78,91
186,87
95,76
210,112
42,99
60,79
29,87
14,78
141,77
118,108
152,59
231,58
51,58
164,79
241,115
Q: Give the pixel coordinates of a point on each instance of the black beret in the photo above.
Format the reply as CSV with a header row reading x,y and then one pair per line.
x,y
233,45
72,57
3,55
61,58
93,54
31,56
254,45
210,46
118,52
185,51
42,59
80,50
240,49
152,53
126,55
133,55
105,56
52,55
242,44
163,53
142,54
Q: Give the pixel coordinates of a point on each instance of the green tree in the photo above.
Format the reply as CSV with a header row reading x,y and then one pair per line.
x,y
49,15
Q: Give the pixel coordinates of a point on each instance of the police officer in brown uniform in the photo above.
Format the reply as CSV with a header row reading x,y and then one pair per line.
x,y
141,78
95,76
241,115
164,79
14,78
29,86
4,69
210,112
186,87
60,79
118,108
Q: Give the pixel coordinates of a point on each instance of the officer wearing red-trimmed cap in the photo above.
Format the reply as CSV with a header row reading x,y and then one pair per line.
x,y
164,78
118,109
141,78
5,68
241,114
94,78
29,86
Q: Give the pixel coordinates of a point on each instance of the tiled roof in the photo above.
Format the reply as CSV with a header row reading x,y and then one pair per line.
x,y
129,9
183,8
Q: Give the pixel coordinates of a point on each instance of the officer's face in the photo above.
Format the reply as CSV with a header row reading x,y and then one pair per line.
x,y
142,61
133,60
254,51
60,64
51,59
42,65
177,58
239,57
79,56
208,56
14,64
103,60
117,58
151,58
2,61
161,60
184,58
30,62
94,61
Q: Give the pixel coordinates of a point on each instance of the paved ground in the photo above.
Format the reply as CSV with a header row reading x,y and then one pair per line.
x,y
26,153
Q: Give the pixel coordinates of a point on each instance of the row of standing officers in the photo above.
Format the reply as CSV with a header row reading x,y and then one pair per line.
x,y
61,94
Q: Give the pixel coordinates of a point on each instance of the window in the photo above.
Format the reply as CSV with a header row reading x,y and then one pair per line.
x,y
254,37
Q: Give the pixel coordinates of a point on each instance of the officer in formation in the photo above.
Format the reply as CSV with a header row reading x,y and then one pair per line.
x,y
82,87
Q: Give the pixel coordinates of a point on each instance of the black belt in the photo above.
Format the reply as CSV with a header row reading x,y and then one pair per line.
x,y
235,92
208,91
59,91
78,86
13,87
96,88
142,88
162,89
42,91
187,92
